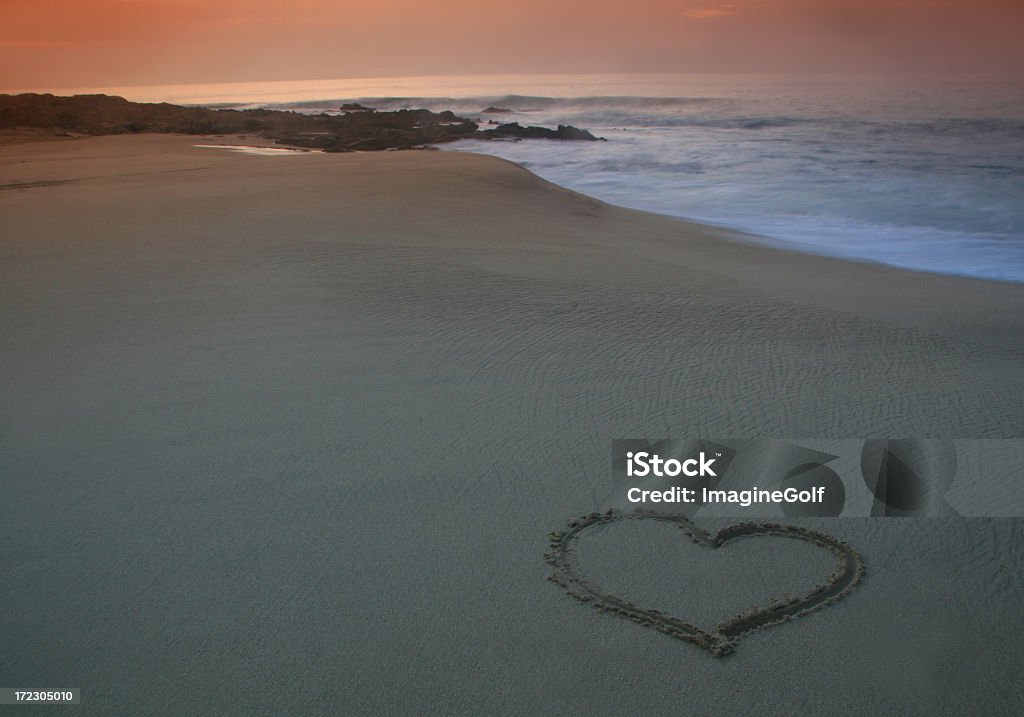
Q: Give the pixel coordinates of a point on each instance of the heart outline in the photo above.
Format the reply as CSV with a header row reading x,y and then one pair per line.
x,y
724,638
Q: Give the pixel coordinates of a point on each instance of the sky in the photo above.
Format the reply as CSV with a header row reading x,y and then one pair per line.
x,y
103,43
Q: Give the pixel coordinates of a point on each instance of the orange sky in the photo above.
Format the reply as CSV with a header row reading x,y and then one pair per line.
x,y
67,43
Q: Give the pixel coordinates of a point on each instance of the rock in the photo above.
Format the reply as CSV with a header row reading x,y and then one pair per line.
x,y
566,131
514,130
492,110
357,128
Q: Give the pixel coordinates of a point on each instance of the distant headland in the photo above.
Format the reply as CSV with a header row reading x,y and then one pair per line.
x,y
355,128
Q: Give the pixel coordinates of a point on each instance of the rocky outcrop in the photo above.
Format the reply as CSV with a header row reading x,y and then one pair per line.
x,y
513,130
492,110
358,128
372,131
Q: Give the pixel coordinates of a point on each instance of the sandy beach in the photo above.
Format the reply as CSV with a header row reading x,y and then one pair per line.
x,y
285,434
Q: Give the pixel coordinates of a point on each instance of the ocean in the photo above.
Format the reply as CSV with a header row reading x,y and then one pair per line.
x,y
924,173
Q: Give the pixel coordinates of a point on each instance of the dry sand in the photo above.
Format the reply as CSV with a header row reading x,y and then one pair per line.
x,y
286,434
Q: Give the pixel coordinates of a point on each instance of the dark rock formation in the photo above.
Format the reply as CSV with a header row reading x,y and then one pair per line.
x,y
355,107
492,110
360,129
369,131
513,130
356,130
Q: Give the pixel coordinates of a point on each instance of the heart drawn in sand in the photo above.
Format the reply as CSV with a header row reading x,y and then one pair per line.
x,y
723,638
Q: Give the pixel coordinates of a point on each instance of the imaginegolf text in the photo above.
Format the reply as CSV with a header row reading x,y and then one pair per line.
x,y
743,498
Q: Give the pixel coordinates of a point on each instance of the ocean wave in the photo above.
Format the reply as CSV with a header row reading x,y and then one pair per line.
x,y
902,184
667,112
516,103
953,127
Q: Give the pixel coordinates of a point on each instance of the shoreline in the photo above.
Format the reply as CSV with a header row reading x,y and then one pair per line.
x,y
749,234
21,136
962,307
